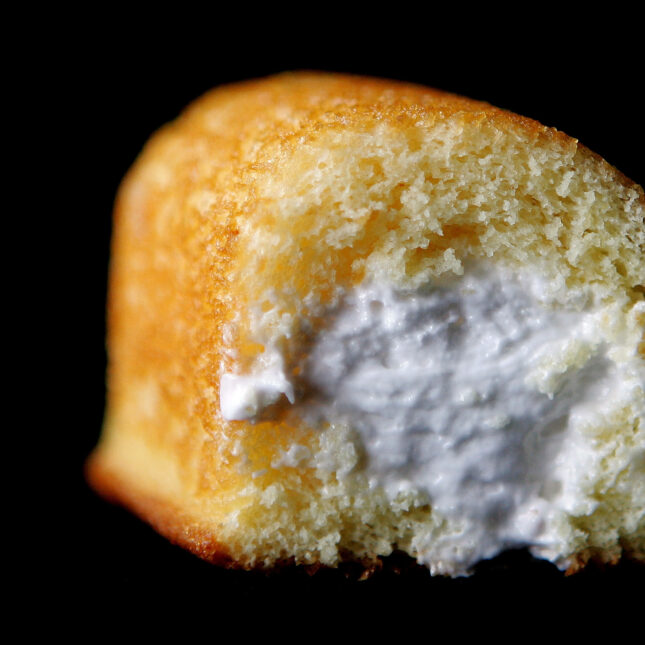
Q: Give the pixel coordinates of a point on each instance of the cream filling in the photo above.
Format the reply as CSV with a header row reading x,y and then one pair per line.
x,y
245,397
474,392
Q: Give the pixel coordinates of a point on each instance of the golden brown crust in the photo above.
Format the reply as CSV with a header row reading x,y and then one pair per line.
x,y
168,520
323,99
187,532
177,226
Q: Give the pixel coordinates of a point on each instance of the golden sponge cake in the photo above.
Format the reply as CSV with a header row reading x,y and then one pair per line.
x,y
349,315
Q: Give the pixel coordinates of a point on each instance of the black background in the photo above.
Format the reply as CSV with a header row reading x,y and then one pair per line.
x,y
113,86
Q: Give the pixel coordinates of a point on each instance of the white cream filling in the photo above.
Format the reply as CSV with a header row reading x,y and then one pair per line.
x,y
245,397
473,392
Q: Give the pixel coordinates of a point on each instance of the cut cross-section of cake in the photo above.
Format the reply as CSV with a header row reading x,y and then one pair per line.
x,y
350,315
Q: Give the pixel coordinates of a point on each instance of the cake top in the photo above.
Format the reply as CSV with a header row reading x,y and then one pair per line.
x,y
286,190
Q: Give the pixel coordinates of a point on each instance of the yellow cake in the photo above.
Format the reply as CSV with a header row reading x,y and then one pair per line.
x,y
351,315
